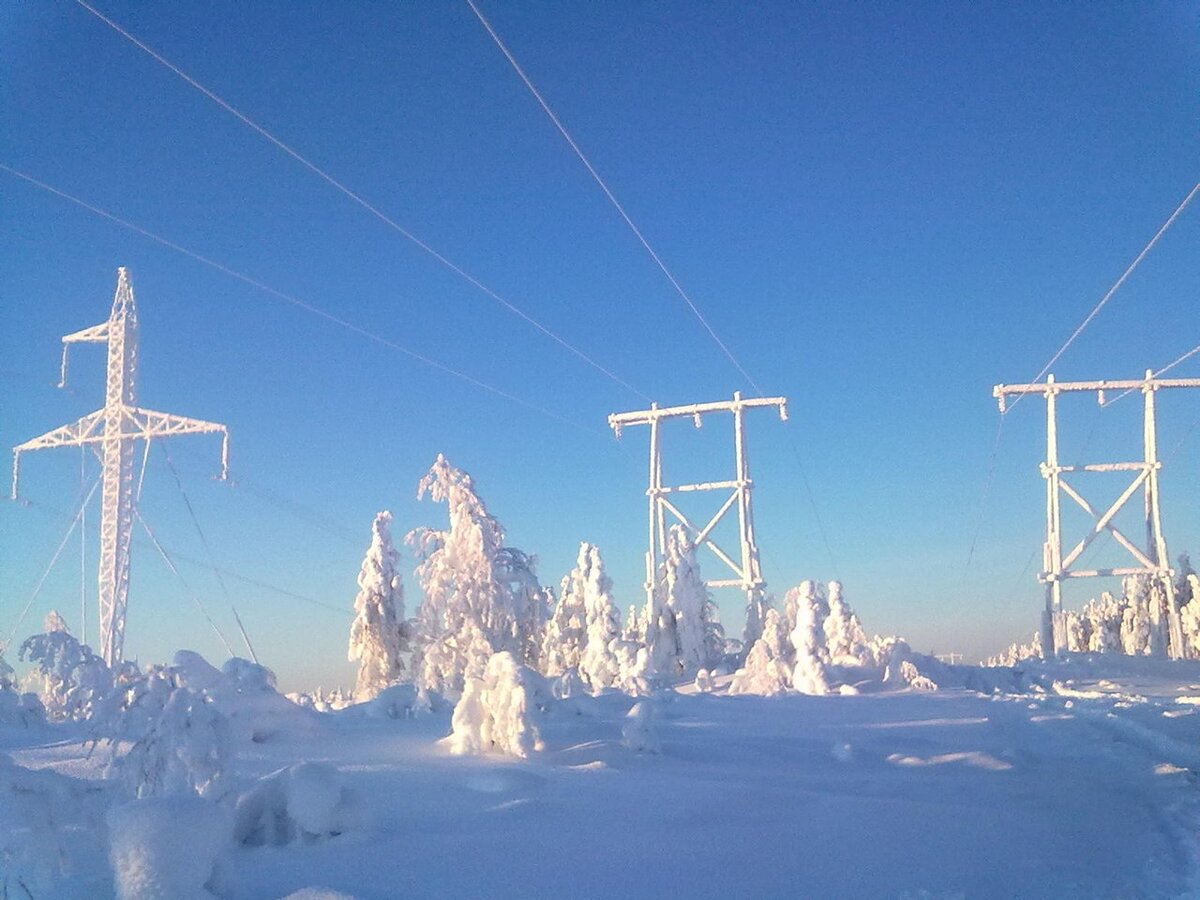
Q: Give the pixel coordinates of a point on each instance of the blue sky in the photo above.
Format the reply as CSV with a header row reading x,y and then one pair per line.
x,y
884,210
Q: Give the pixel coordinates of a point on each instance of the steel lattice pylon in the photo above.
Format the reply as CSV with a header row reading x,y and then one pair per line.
x,y
113,432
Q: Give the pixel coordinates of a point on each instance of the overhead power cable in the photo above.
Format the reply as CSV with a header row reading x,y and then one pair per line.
x,y
637,232
991,471
54,559
175,571
1163,371
373,210
294,301
658,261
1108,294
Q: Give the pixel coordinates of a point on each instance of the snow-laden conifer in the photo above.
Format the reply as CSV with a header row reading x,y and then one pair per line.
x,y
75,682
767,670
809,670
683,630
563,640
378,636
844,636
757,605
600,664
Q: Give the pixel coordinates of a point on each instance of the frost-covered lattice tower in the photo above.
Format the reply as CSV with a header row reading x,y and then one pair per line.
x,y
113,432
1153,560
748,575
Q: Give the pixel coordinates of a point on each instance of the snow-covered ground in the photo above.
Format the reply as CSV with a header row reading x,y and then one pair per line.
x,y
1084,786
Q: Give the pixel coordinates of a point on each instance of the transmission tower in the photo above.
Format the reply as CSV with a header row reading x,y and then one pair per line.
x,y
746,570
113,433
1151,561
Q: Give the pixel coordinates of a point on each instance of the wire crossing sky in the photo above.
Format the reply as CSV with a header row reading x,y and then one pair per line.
x,y
882,212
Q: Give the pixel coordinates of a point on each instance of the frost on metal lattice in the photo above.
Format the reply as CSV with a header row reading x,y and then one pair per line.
x,y
745,568
113,432
1151,560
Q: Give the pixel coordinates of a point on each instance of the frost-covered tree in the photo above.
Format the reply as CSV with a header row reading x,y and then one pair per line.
x,y
184,751
767,670
498,709
468,611
1135,624
844,636
809,670
683,630
378,637
757,605
563,641
600,665
74,680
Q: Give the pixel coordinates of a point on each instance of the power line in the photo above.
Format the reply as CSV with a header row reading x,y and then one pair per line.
x,y
637,232
1167,368
288,298
611,197
54,559
1109,294
374,211
171,565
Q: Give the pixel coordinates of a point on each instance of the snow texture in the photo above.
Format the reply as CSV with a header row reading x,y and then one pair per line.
x,y
166,848
307,802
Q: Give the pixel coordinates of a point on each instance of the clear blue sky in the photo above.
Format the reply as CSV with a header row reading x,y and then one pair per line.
x,y
883,209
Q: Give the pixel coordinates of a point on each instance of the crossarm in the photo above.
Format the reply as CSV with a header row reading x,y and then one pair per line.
x,y
97,334
147,424
87,430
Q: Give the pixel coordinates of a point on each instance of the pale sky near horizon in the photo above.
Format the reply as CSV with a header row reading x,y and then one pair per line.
x,y
883,211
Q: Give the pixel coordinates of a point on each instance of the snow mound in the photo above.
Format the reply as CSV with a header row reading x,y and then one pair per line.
x,y
308,802
638,732
497,713
166,848
400,701
318,893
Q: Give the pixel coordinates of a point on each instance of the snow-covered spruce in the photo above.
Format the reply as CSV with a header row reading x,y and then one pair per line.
x,y
378,636
497,712
683,632
808,639
478,595
768,668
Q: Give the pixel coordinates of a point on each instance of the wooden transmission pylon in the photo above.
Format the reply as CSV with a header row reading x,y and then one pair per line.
x,y
1152,560
748,575
113,431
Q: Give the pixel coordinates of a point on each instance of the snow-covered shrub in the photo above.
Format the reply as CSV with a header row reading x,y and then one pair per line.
x,y
757,605
497,713
704,683
638,733
379,633
244,692
74,680
479,596
912,676
308,802
767,670
400,701
166,848
184,751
